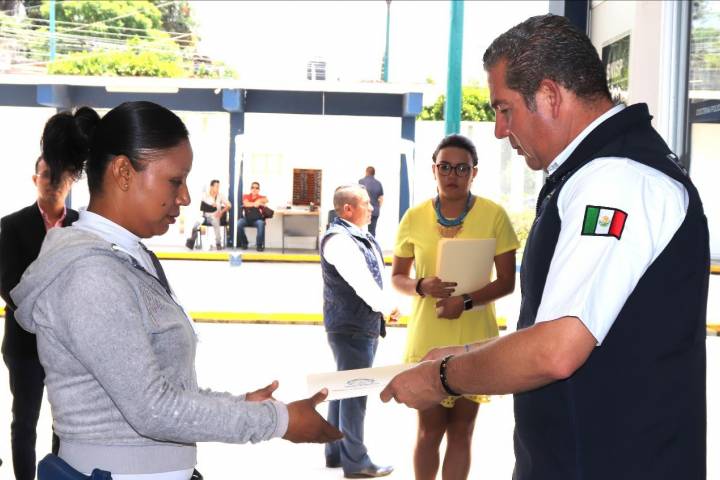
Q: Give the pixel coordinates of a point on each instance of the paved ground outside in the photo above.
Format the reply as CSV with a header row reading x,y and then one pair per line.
x,y
239,358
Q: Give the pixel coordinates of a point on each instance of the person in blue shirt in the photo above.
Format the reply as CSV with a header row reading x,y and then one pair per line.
x,y
375,191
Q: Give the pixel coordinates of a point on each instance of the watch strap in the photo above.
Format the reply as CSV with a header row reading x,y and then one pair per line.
x,y
467,301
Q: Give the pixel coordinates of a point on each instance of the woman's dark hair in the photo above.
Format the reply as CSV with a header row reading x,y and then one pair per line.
x,y
458,141
134,129
65,142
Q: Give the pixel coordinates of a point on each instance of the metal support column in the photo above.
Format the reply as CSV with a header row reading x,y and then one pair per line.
x,y
453,98
237,128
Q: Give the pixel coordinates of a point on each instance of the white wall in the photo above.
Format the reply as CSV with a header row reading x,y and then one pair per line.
x,y
20,131
643,20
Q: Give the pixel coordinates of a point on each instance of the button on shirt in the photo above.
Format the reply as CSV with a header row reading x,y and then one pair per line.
x,y
342,252
591,277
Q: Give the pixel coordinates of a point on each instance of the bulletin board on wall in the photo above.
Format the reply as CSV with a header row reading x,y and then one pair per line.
x,y
307,185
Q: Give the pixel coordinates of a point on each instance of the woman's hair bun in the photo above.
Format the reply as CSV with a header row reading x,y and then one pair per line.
x,y
66,142
87,121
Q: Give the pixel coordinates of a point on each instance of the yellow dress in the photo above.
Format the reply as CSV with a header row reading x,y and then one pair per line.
x,y
417,238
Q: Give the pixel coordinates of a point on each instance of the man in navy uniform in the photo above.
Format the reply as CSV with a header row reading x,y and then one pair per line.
x,y
608,363
375,191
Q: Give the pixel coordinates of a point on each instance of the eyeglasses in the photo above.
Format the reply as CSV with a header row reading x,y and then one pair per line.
x,y
461,169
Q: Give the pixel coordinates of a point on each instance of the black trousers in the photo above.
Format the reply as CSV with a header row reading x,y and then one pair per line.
x,y
27,379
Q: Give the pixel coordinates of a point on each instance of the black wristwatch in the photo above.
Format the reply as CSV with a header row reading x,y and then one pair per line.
x,y
467,301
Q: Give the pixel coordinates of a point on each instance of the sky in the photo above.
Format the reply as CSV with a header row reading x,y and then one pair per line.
x,y
275,40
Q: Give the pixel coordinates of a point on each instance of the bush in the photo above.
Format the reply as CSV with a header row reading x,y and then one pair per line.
x,y
475,106
120,64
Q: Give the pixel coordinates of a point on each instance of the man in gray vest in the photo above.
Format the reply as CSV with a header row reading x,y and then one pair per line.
x,y
354,308
607,367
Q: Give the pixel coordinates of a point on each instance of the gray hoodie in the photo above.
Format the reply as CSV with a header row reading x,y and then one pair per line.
x,y
119,357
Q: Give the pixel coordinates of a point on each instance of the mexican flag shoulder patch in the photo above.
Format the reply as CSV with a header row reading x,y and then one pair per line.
x,y
603,221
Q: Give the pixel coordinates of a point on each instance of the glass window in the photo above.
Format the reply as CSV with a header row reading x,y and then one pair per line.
x,y
704,112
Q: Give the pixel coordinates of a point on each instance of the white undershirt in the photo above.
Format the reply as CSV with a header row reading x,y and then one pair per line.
x,y
343,253
591,277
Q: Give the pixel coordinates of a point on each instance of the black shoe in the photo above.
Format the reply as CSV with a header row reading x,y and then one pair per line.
x,y
243,246
260,248
371,472
190,243
332,463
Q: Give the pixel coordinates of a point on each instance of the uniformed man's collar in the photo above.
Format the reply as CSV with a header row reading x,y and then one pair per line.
x,y
565,154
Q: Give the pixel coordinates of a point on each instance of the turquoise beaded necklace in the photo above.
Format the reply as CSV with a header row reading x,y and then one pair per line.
x,y
445,222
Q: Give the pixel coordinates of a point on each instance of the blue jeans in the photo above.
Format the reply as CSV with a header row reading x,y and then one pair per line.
x,y
258,224
350,351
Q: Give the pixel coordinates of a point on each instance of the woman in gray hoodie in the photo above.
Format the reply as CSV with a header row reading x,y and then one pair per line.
x,y
117,347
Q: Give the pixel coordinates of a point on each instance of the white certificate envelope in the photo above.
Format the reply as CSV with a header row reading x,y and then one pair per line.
x,y
354,383
469,262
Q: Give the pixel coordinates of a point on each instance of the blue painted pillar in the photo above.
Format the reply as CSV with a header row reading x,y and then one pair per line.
x,y
233,101
453,98
412,106
237,127
386,57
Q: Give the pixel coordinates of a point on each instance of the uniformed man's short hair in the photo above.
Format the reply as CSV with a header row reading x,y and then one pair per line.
x,y
548,47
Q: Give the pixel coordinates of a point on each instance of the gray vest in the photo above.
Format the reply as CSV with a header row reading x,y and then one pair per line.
x,y
343,310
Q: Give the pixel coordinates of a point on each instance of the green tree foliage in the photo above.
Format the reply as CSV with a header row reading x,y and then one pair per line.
x,y
475,106
123,38
136,61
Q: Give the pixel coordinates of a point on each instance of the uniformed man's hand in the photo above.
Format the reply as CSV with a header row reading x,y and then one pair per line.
x,y
451,307
265,393
418,387
306,425
436,288
394,316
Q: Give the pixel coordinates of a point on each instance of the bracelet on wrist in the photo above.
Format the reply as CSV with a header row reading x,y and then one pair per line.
x,y
443,377
418,290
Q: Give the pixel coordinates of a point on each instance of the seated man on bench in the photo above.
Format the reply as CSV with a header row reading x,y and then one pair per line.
x,y
253,216
213,206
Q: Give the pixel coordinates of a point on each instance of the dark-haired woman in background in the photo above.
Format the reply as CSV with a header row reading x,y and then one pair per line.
x,y
439,316
117,347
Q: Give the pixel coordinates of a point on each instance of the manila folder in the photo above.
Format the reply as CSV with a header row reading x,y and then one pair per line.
x,y
468,262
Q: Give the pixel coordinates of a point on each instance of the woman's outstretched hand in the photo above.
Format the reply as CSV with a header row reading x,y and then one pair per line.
x,y
306,425
265,393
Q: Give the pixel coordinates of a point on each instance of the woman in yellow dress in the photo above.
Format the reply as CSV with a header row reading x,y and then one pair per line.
x,y
440,316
